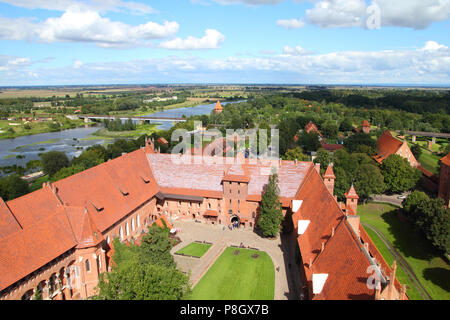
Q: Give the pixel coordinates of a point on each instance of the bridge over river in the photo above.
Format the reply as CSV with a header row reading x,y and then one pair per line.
x,y
135,118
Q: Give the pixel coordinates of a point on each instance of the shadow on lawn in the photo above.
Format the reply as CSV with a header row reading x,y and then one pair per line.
x,y
409,241
439,276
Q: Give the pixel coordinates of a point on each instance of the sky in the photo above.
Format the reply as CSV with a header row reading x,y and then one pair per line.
x,y
77,42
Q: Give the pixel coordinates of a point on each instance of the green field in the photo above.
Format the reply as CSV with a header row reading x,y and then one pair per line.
x,y
431,269
238,277
195,249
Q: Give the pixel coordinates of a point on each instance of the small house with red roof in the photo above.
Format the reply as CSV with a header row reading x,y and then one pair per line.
x,y
365,127
311,127
388,145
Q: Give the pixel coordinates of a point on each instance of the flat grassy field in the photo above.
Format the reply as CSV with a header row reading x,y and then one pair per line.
x,y
430,267
195,249
238,277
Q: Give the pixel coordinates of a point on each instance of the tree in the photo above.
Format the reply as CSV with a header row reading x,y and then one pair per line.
x,y
309,141
361,138
398,174
295,154
346,125
323,157
54,161
155,247
416,150
143,282
271,216
368,180
13,186
330,129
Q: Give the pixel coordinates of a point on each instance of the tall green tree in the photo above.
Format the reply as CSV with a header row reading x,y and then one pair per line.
x,y
143,282
295,154
398,174
54,161
271,216
13,186
155,247
323,157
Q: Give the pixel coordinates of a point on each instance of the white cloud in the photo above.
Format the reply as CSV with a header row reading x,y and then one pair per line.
x,y
77,64
84,25
416,14
97,5
429,64
297,51
249,2
291,23
211,40
337,13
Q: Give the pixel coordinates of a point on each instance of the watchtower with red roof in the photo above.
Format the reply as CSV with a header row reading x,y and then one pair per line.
x,y
351,201
365,127
329,178
218,108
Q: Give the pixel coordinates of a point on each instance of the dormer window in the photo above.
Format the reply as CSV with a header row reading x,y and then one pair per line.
x,y
145,179
123,191
97,206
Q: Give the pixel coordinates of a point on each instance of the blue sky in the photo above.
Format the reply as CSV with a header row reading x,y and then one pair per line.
x,y
64,42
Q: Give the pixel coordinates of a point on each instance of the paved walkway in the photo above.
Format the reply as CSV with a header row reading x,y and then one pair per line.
x,y
287,279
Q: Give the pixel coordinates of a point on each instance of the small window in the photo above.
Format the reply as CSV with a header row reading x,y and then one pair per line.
x,y
179,203
133,226
138,221
127,229
253,214
88,265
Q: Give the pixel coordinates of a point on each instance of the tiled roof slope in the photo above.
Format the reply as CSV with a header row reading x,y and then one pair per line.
x,y
387,145
344,262
25,251
446,160
8,223
329,246
71,212
205,177
110,190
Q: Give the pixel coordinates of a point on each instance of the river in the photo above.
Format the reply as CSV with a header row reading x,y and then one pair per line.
x,y
74,141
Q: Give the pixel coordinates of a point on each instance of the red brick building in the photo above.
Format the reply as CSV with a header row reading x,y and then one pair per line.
x,y
311,127
444,180
58,239
365,127
388,145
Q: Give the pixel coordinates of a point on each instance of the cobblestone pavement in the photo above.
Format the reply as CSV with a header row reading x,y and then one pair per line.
x,y
287,280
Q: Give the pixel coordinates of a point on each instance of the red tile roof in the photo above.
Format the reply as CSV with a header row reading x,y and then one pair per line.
x,y
329,173
211,213
351,193
8,222
446,160
332,147
387,145
365,124
218,106
311,127
329,246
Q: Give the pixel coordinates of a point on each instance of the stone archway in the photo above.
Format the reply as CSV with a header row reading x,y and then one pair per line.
x,y
235,221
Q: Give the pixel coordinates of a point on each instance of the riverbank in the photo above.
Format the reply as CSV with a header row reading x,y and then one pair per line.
x,y
105,134
16,129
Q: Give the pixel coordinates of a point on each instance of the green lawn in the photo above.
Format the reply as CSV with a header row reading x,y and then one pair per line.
x,y
238,277
428,264
195,249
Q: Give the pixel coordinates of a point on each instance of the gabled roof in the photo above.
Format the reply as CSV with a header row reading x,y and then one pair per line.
x,y
387,145
446,160
311,127
8,222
